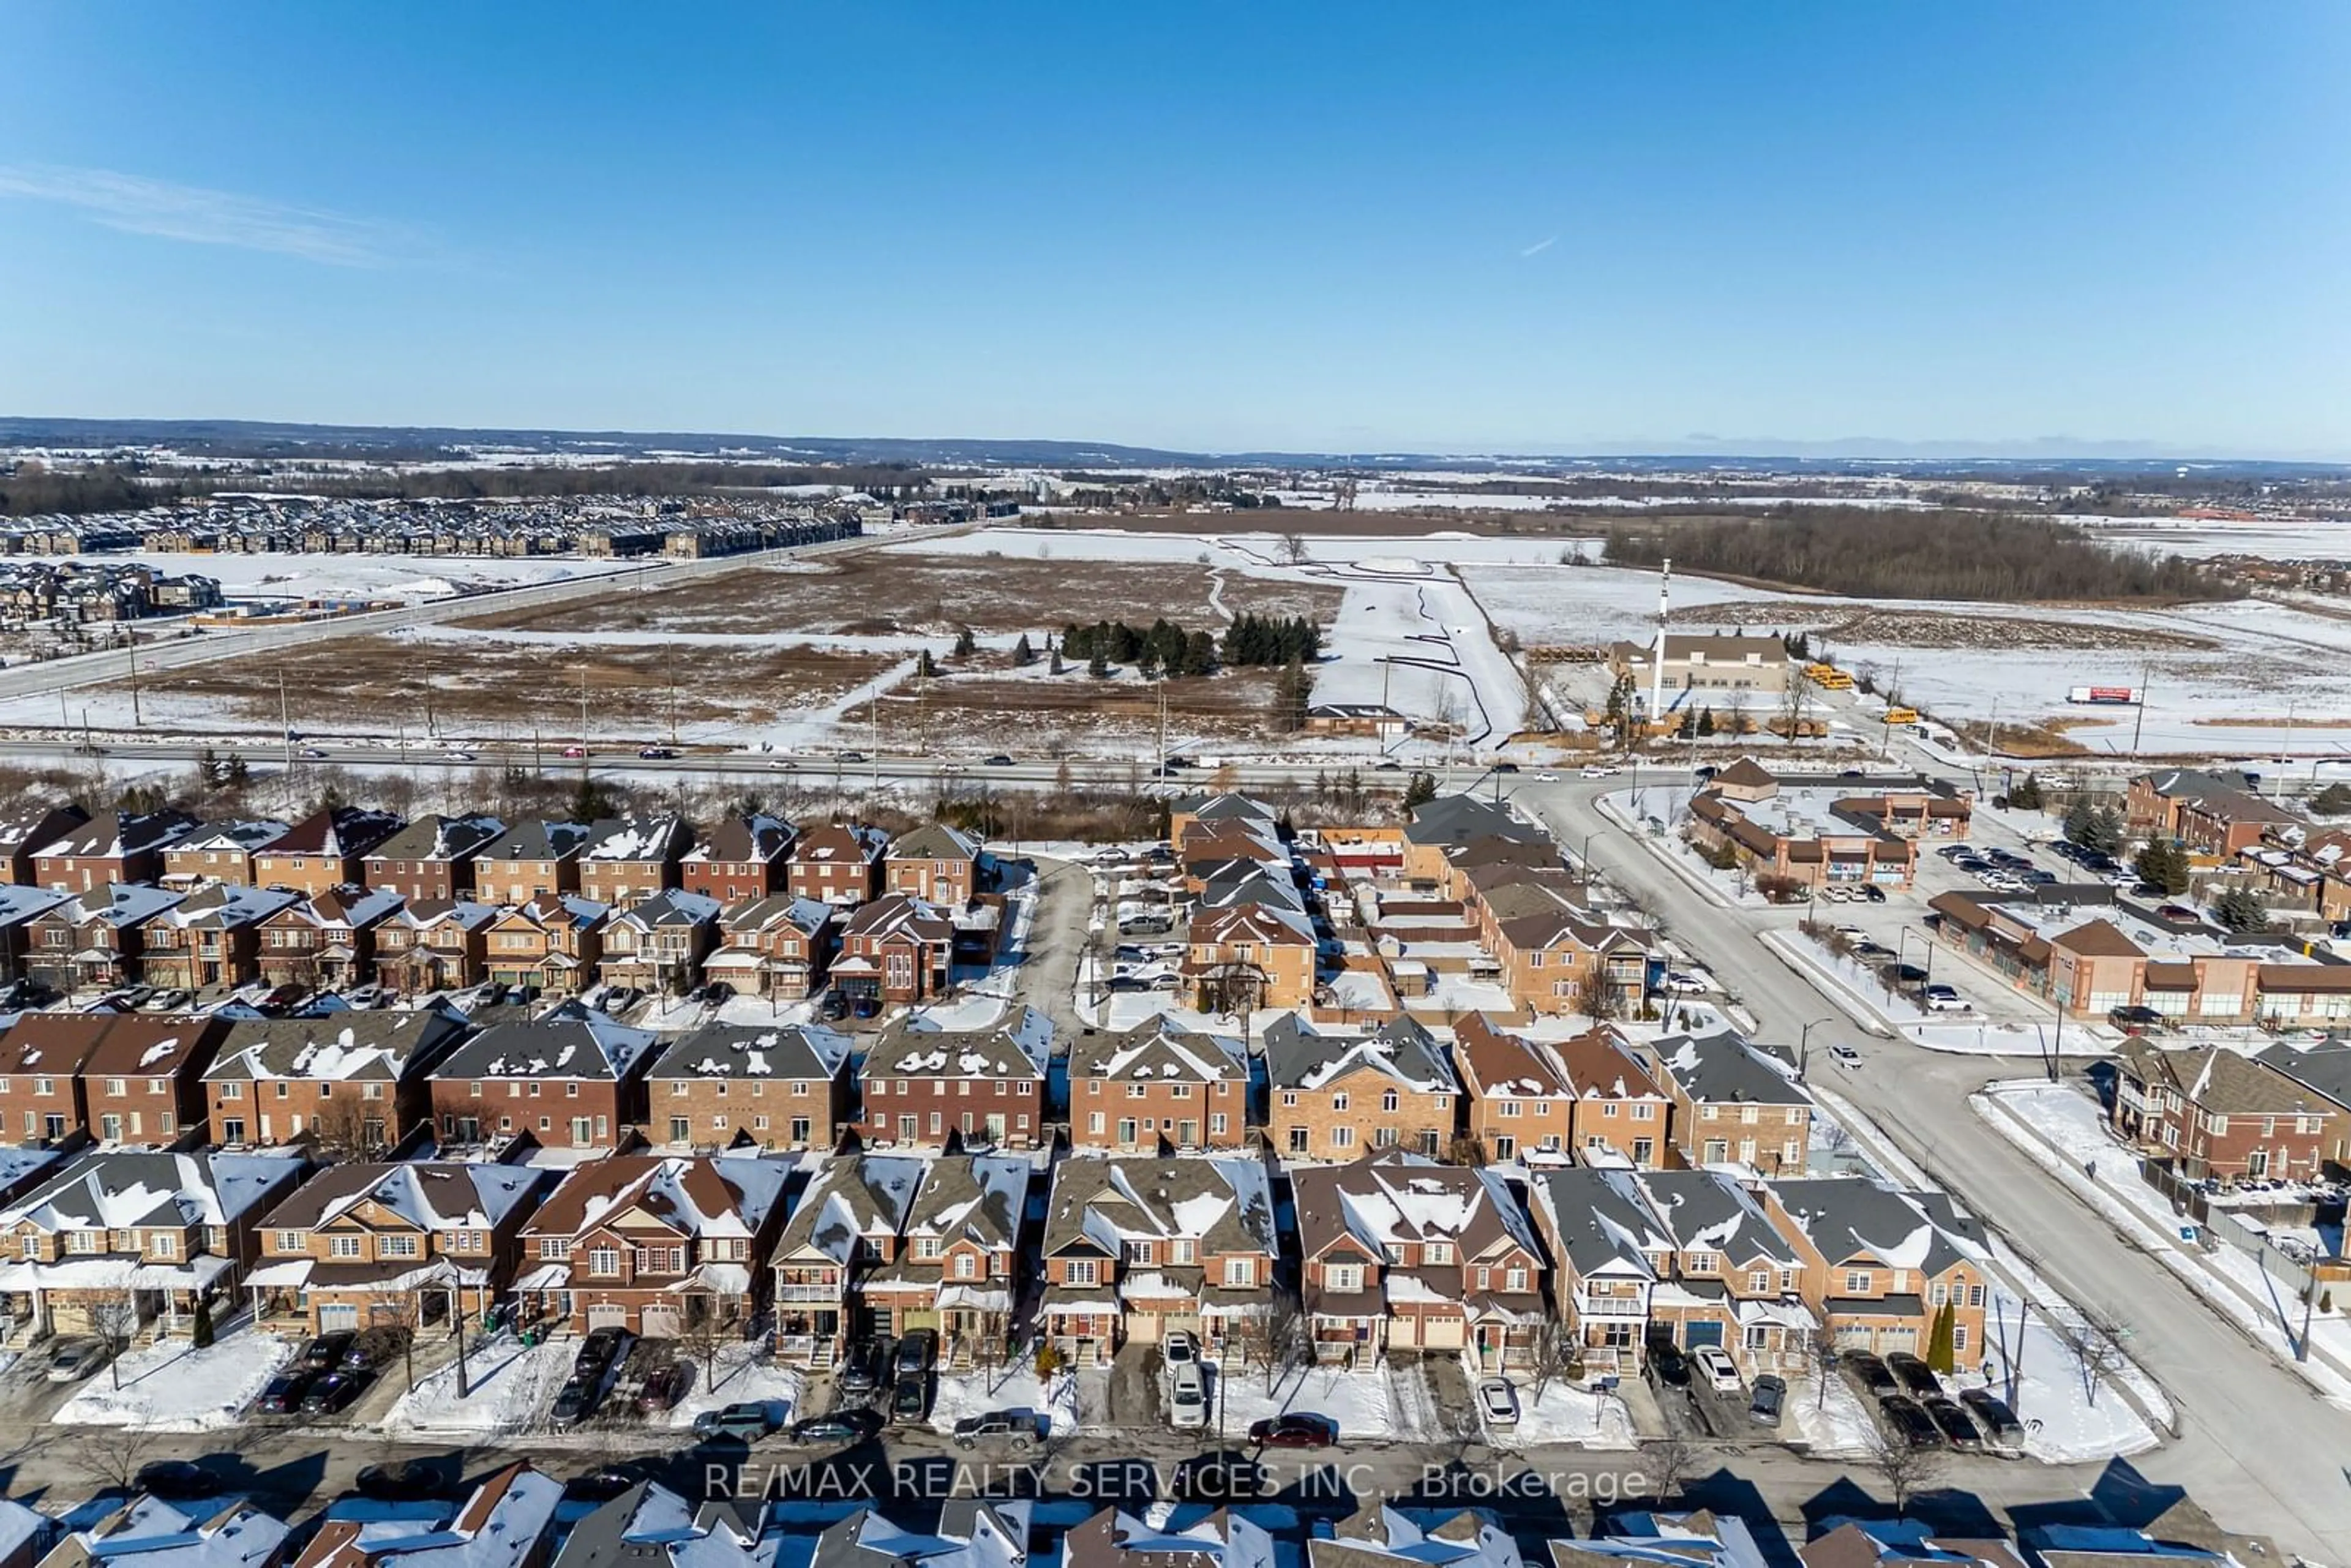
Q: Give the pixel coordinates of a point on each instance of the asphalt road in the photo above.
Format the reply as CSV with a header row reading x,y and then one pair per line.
x,y
2258,1446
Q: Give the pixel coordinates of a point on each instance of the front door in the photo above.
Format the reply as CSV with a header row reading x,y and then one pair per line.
x,y
583,1132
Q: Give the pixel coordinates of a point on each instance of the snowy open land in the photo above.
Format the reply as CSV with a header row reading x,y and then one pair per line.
x,y
172,1387
408,579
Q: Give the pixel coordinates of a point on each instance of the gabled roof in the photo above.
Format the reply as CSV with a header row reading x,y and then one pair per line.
x,y
439,838
753,840
1457,818
979,1198
432,1195
1224,1202
1160,1049
336,830
1601,1065
233,834
1395,1196
1402,1051
1849,1218
227,906
2215,1079
591,1046
670,906
1257,922
1724,1068
111,834
1113,1539
501,1525
854,1195
1220,808
1699,1539
899,913
635,838
217,1532
838,843
51,1044
2217,795
17,832
152,1046
2325,1068
2098,939
971,1534
535,842
807,915
720,1051
1505,1066
650,1526
726,1194
357,907
379,1046
118,904
918,1048
1706,1211
125,1189
934,842
1600,1221
1380,1536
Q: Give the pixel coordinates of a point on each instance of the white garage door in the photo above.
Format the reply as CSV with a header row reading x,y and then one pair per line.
x,y
334,1317
661,1323
1442,1333
606,1315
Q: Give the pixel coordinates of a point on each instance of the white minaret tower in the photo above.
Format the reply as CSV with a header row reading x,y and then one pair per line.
x,y
1657,658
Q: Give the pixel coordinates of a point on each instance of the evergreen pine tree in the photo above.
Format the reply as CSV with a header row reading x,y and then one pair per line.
x,y
1098,666
1023,654
200,1333
966,644
1941,1352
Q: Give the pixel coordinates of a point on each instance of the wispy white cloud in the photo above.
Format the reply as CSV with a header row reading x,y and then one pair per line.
x,y
1540,246
135,205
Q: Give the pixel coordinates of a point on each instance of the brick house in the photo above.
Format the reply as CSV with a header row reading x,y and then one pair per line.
x,y
121,1239
211,937
1400,1253
329,940
1436,826
573,1081
836,863
933,1088
844,1225
778,947
42,1096
19,907
739,860
658,943
1608,1253
1730,1104
528,860
1732,1278
143,1082
352,1083
935,864
1621,1113
654,1244
554,944
2213,814
958,1264
29,831
1803,837
1879,1263
1248,956
1158,1087
94,938
627,859
2220,1114
219,852
2325,1068
433,945
507,1521
109,848
895,951
728,1085
430,858
361,1244
1520,1107
326,849
1141,1249
1336,1096
1551,950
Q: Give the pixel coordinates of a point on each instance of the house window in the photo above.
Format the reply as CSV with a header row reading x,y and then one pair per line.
x,y
85,1240
289,1241
1080,1271
1506,1108
965,1266
1181,1250
1856,1282
1344,1277
165,1244
1287,1099
1240,1271
1139,1252
554,1248
1758,1281
1339,1102
1437,1251
397,1246
604,1260
1342,1137
928,1248
232,1091
1388,1101
344,1246
1702,1262
1217,1124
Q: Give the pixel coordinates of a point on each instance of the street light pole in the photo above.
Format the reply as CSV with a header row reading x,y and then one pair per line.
x,y
1804,1047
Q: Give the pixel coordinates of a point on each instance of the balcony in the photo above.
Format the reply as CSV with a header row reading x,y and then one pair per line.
x,y
1612,1307
807,1290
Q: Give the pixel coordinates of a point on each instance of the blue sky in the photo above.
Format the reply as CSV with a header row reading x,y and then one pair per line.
x,y
1340,227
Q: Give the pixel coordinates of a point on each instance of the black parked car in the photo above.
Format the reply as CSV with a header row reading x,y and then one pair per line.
x,y
1872,1373
575,1400
916,1351
867,1366
326,1352
177,1478
600,1351
2001,1428
375,1349
911,1400
285,1394
1910,1421
336,1392
1953,1423
852,1426
1917,1377
1667,1360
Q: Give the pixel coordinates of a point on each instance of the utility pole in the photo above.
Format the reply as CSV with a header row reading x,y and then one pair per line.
x,y
2139,720
135,721
873,732
284,721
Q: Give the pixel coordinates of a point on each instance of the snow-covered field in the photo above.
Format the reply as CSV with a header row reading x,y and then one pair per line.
x,y
411,579
743,1375
1563,1412
512,1385
1828,1418
1393,1402
172,1387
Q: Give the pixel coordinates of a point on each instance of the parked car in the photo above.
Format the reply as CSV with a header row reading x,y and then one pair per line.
x,y
1953,1423
1295,1430
173,1001
1871,892
745,1422
1721,1373
1872,1373
1017,1428
911,1399
853,1425
576,1400
1497,1402
1683,984
867,1366
76,1359
1944,1000
2002,1432
326,1352
375,1348
284,1394
1910,1422
916,1352
401,1480
1915,1375
1187,1395
1770,1398
1667,1360
170,1478
664,1386
336,1392
601,1351
1179,1348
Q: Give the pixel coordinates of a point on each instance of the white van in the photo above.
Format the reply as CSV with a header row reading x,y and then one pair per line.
x,y
1187,1395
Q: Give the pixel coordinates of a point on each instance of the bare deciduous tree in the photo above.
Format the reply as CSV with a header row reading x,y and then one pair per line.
x,y
2096,1341
1906,1468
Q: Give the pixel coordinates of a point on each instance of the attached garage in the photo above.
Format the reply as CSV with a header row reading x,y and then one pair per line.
x,y
1697,1332
1890,1340
608,1315
666,1320
914,1318
1443,1333
339,1317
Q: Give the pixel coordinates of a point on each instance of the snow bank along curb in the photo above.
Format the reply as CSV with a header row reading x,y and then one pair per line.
x,y
1652,848
2251,1316
1827,981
